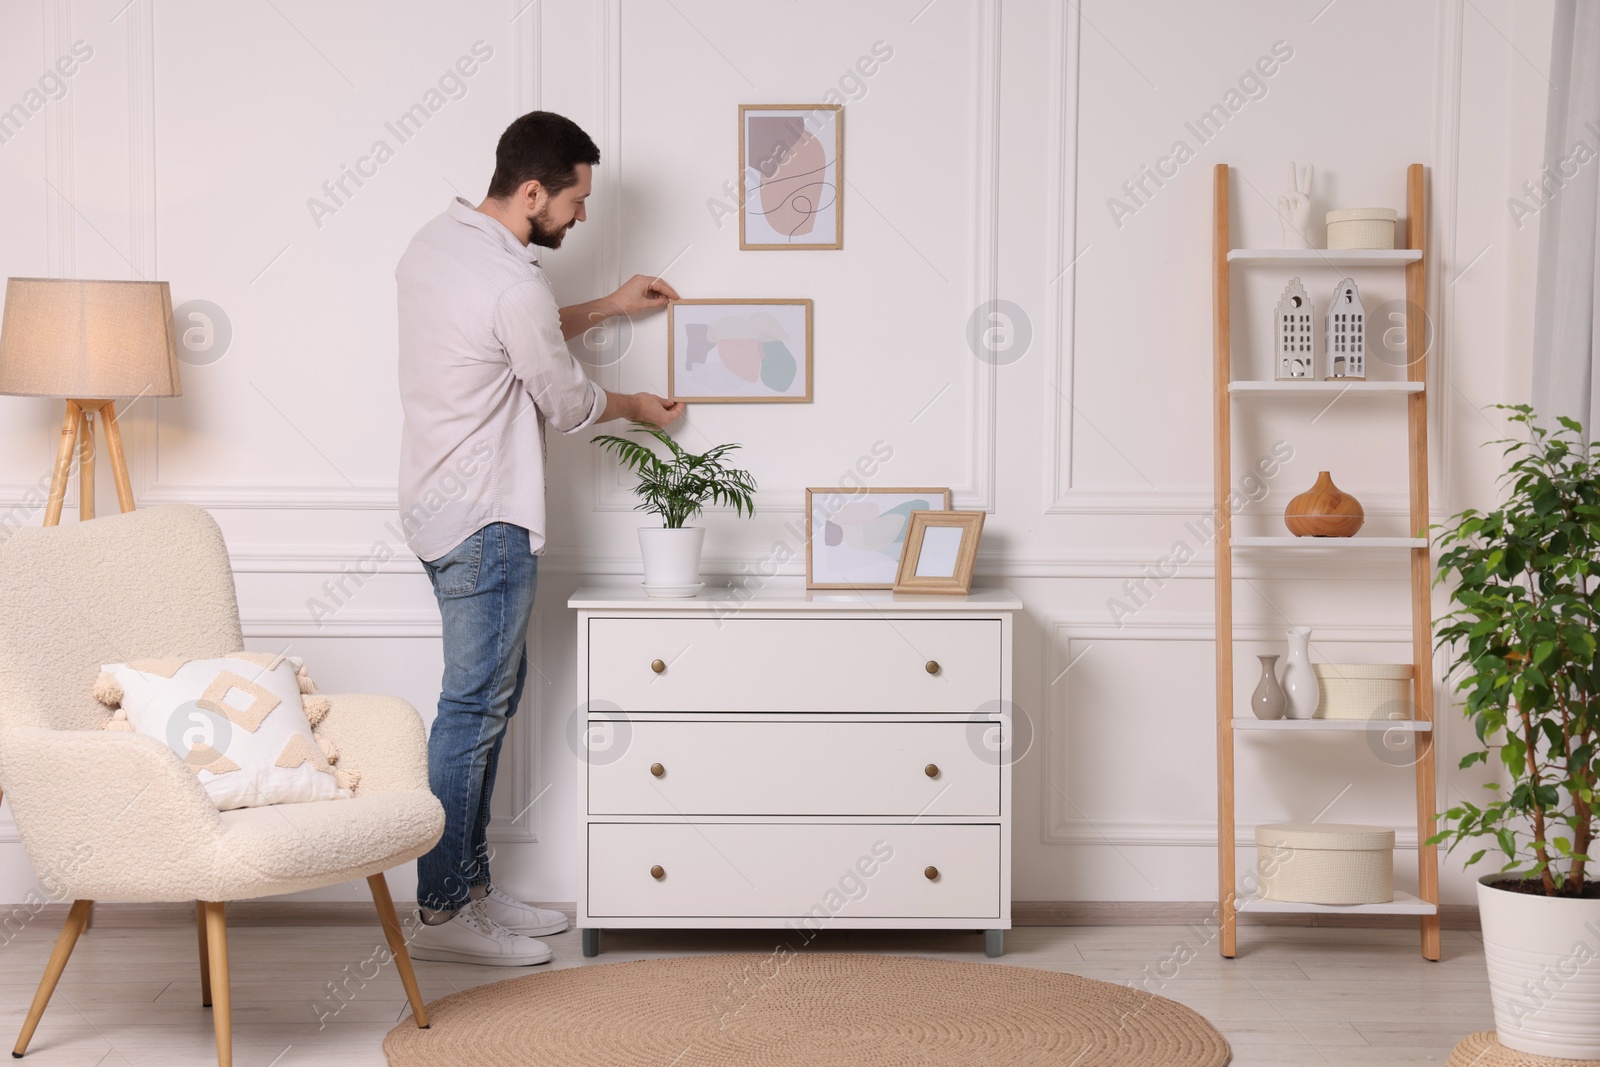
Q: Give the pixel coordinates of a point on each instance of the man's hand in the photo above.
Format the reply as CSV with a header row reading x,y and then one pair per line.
x,y
642,293
639,293
642,407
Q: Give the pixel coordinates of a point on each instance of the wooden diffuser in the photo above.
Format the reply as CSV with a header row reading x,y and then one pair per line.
x,y
1324,510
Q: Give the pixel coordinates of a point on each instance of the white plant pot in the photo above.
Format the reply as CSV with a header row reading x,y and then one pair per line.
x,y
1544,971
671,560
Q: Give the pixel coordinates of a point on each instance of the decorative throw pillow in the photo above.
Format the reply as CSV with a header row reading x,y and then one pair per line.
x,y
243,723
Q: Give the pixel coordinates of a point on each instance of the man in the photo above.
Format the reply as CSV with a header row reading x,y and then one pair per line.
x,y
483,368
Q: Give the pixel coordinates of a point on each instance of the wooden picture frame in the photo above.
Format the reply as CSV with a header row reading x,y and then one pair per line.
x,y
791,211
869,549
944,566
757,366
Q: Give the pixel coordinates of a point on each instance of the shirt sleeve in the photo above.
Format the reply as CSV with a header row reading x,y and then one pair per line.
x,y
528,325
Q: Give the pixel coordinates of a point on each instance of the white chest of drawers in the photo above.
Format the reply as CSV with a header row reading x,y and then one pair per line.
x,y
795,760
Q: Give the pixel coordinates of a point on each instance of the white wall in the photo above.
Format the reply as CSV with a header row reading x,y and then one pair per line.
x,y
980,159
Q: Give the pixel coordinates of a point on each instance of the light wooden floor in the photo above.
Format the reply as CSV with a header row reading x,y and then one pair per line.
x,y
131,996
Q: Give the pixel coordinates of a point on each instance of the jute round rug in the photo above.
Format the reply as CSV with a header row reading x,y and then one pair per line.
x,y
805,1010
1483,1049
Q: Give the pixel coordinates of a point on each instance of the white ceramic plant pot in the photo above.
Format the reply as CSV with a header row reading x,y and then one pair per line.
x,y
1544,971
671,560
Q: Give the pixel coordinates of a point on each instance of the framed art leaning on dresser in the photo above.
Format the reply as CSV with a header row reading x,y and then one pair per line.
x,y
795,760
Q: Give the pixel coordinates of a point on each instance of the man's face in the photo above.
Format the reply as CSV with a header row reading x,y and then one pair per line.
x,y
561,212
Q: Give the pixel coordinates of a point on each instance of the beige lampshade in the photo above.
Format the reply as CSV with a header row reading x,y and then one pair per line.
x,y
102,340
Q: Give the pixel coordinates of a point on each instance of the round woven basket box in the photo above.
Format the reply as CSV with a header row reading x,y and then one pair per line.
x,y
1361,227
1325,863
1364,691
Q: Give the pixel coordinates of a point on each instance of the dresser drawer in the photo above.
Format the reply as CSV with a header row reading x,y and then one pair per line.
x,y
739,870
799,768
748,664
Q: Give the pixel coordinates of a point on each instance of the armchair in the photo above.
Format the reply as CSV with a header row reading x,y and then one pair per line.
x,y
113,816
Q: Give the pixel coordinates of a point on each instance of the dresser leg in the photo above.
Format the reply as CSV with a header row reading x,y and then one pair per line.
x,y
591,941
994,943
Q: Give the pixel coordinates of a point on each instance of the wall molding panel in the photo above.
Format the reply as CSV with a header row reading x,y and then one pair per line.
x,y
1060,821
611,492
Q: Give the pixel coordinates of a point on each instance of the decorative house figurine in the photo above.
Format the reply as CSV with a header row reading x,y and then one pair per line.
x,y
1346,347
1294,337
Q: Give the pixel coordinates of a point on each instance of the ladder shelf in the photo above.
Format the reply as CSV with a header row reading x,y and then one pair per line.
x,y
1424,904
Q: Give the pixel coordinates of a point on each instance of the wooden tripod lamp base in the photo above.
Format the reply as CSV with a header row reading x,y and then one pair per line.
x,y
77,436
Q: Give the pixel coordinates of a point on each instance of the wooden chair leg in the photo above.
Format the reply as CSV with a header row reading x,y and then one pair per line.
x,y
217,953
205,954
52,972
397,946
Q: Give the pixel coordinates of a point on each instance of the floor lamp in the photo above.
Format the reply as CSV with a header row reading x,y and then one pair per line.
x,y
90,343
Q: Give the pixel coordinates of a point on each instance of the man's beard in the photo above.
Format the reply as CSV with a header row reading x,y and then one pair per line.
x,y
542,234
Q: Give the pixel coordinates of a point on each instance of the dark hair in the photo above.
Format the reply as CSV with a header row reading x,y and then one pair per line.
x,y
544,147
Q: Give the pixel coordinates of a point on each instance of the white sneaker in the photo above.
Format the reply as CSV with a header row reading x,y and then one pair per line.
x,y
472,937
522,918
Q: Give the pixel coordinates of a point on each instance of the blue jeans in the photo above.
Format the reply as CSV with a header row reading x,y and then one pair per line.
x,y
485,589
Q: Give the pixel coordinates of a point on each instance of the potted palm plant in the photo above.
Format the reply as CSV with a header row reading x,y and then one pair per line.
x,y
676,488
1522,637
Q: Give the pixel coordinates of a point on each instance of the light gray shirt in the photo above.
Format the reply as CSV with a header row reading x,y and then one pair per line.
x,y
483,367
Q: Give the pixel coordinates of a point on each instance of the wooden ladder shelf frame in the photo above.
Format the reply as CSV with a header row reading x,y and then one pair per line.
x,y
1417,338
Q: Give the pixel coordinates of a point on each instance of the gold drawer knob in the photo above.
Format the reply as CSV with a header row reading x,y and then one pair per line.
x,y
659,872
931,770
658,665
932,666
657,770
931,873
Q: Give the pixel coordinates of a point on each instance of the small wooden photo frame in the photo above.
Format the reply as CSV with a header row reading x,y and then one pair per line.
x,y
940,549
854,537
739,351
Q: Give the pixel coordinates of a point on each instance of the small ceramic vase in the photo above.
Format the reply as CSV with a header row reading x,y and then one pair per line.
x,y
1299,680
1324,510
1269,700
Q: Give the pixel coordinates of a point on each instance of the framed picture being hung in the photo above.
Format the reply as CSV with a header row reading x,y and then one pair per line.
x,y
941,548
791,160
739,351
854,537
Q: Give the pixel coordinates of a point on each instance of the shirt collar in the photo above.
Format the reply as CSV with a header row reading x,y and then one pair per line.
x,y
466,213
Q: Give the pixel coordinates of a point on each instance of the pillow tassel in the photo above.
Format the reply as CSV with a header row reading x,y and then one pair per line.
x,y
118,721
307,686
108,691
330,751
347,779
316,708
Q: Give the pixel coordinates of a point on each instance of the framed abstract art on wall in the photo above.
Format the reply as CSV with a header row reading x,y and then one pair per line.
x,y
739,351
791,163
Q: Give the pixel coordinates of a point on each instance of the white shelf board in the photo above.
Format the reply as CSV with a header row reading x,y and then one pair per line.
x,y
1333,725
1290,541
1323,388
1403,904
1326,257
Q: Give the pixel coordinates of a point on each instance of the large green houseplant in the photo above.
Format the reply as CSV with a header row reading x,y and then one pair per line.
x,y
676,488
1522,639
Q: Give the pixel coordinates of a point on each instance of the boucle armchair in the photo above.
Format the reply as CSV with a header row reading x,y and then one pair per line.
x,y
116,816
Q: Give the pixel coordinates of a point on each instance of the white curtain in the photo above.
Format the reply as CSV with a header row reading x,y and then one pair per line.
x,y
1566,334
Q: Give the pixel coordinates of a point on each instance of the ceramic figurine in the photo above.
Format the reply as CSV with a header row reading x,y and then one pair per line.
x,y
1346,346
1294,208
1292,336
